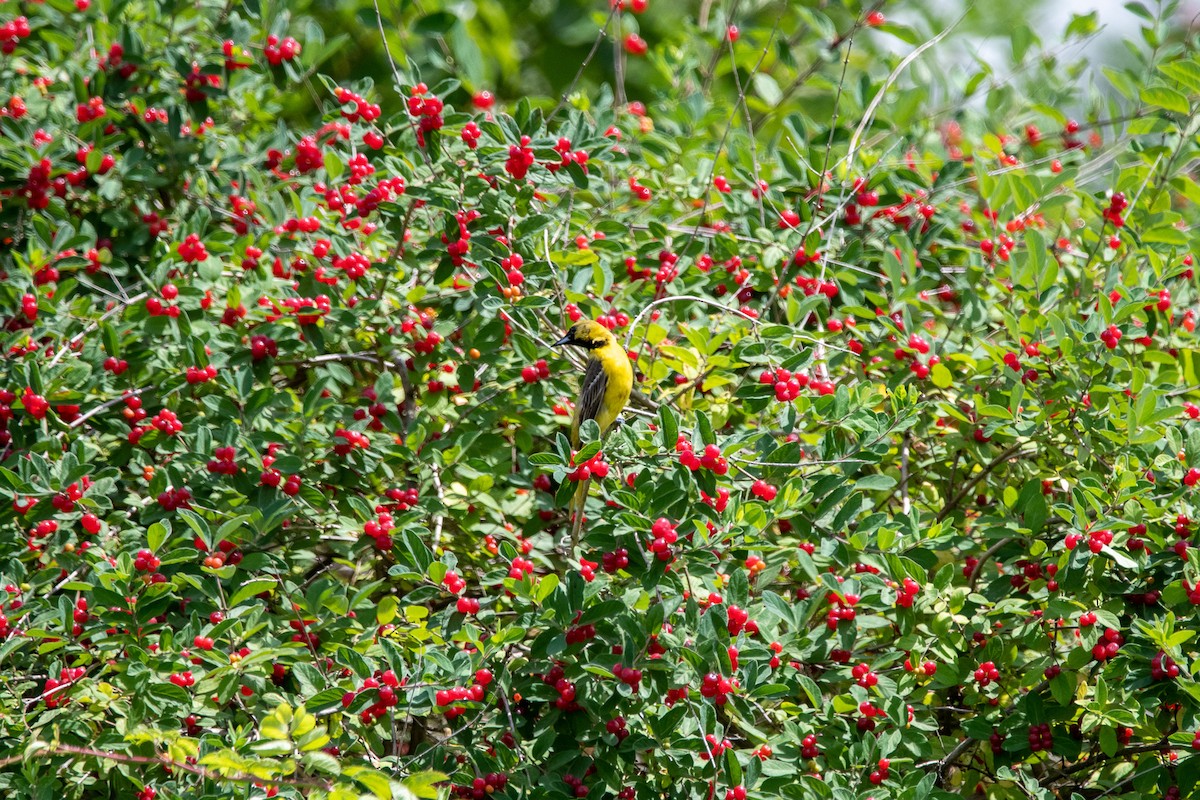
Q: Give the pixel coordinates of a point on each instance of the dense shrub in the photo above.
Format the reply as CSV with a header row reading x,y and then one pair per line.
x,y
904,505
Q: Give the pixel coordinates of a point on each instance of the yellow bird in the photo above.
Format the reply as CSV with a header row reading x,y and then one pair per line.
x,y
603,395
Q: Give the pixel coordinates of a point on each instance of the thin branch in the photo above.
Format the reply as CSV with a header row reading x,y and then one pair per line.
x,y
583,66
117,309
91,412
983,473
869,114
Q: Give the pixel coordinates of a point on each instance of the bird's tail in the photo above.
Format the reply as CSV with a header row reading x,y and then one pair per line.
x,y
575,512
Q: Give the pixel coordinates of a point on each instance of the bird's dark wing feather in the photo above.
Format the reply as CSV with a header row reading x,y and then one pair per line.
x,y
591,395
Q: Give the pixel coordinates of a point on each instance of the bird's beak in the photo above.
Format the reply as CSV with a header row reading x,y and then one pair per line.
x,y
564,340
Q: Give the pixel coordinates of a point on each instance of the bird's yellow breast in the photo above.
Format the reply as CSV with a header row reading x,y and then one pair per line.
x,y
617,369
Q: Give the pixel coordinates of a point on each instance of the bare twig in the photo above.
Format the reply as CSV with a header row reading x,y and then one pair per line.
x,y
566,95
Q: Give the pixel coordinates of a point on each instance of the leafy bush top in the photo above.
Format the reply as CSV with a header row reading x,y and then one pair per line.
x,y
903,505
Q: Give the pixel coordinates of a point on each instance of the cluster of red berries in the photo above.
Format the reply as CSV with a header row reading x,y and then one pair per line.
x,y
482,787
563,148
380,530
1162,667
156,308
629,676
986,673
787,384
511,264
712,459
115,365
717,688
273,477
929,667
223,462
863,675
428,110
1097,540
403,499
453,582
675,695
594,467
262,347
1193,592
880,775
1116,205
1111,336
738,620
1000,248
41,531
1109,645
520,159
349,441
278,51
34,404
29,307
197,375
520,568
718,503
764,491
536,372
1040,737
92,109
12,32
615,560
1191,477
172,498
616,726
354,265
36,190
663,535
182,679
166,422
556,678
841,609
55,688
471,134
467,605
908,593
458,694
191,250
105,165
577,786
580,634
368,112
736,793
808,746
308,156
65,500
714,747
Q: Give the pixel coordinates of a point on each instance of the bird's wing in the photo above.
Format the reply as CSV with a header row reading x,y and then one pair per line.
x,y
591,395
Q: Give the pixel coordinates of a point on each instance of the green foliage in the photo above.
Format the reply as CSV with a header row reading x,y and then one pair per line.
x,y
902,506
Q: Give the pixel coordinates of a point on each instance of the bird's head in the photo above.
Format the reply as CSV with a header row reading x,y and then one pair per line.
x,y
586,334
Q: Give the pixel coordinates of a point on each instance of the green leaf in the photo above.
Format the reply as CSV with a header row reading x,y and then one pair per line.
x,y
941,376
424,784
156,535
1165,98
322,763
1184,72
374,781
250,589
